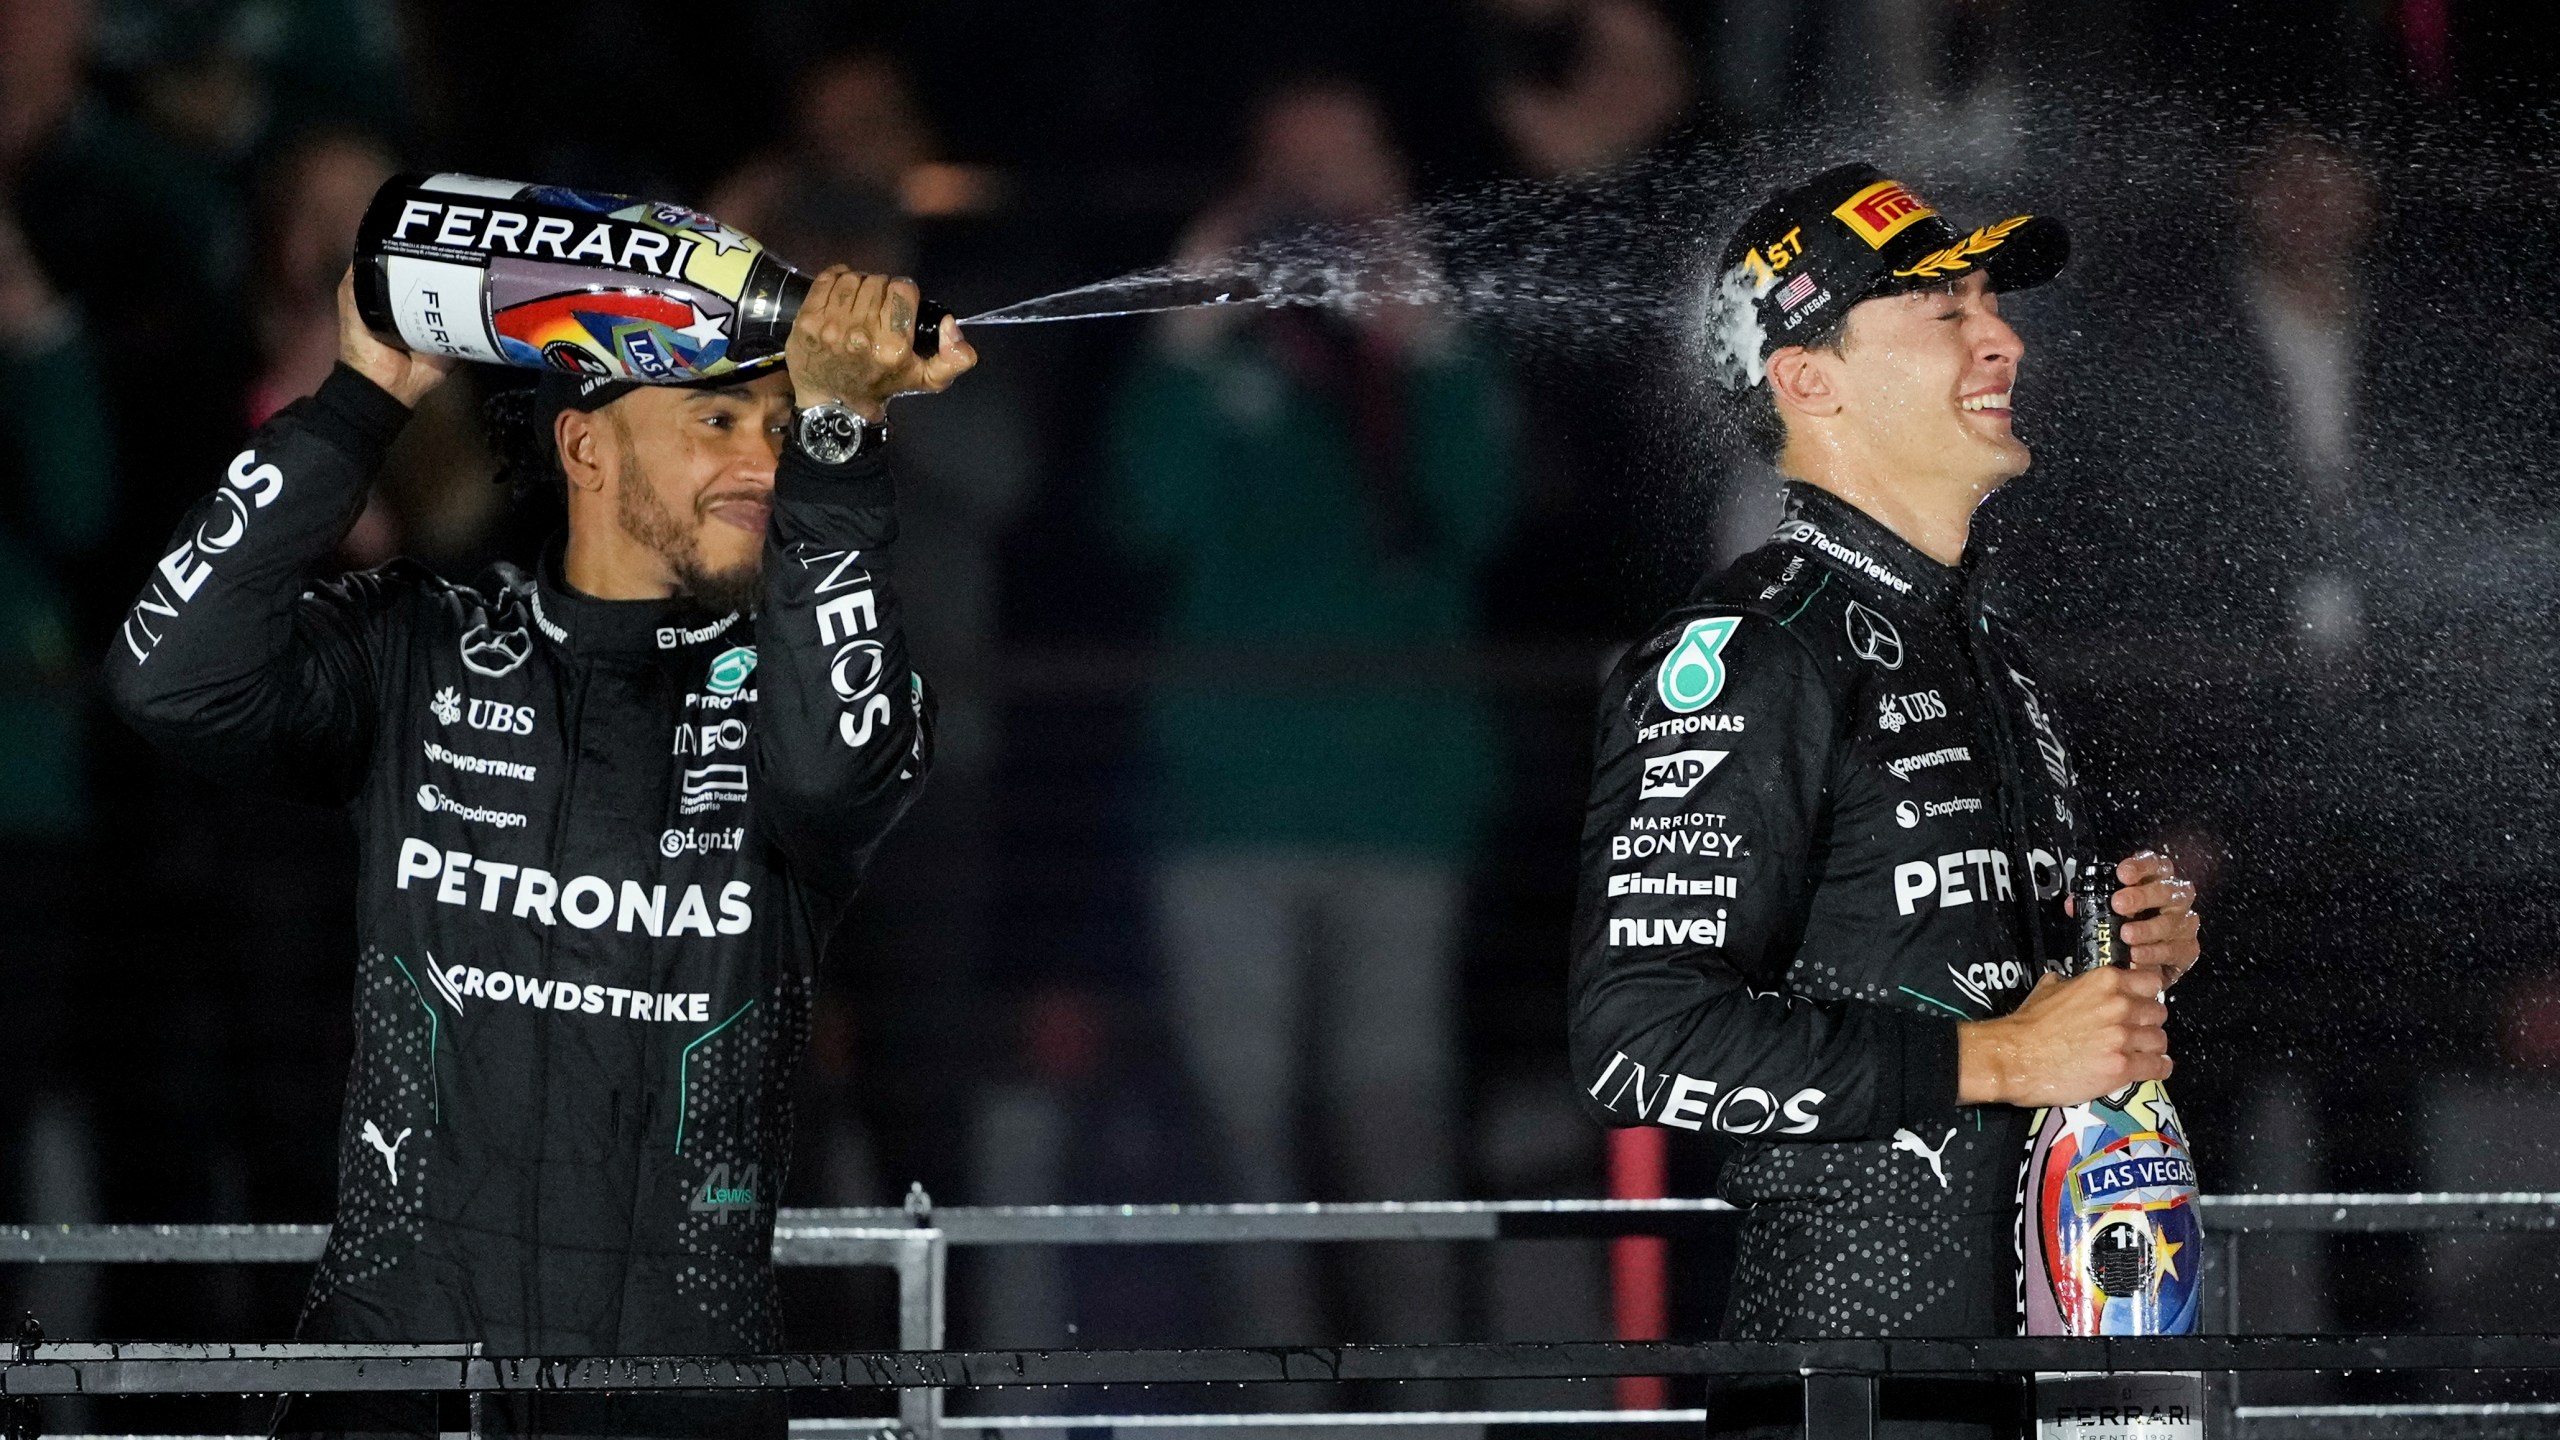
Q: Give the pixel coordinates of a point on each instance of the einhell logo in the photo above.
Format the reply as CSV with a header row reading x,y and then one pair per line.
x,y
1882,211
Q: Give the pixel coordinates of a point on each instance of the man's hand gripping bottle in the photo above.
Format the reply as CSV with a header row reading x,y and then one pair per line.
x,y
2109,1238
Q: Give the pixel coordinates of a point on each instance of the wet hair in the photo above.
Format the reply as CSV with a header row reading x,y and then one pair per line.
x,y
1756,417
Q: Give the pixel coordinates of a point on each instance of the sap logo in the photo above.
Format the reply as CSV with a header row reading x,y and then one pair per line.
x,y
498,717
1672,777
671,637
1984,979
711,787
1681,1101
1723,887
1655,934
183,571
711,738
1917,880
1705,844
1895,711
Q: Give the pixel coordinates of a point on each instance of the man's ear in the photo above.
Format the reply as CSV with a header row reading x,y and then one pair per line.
x,y
574,434
1803,382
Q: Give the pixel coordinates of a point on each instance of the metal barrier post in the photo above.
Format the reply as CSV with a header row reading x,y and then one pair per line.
x,y
1839,1407
922,1275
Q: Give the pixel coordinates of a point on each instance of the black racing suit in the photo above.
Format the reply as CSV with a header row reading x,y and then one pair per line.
x,y
1826,790
602,844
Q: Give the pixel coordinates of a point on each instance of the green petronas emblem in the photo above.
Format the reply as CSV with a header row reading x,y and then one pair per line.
x,y
1692,675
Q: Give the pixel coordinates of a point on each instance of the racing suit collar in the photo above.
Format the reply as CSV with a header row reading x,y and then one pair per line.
x,y
1871,554
585,625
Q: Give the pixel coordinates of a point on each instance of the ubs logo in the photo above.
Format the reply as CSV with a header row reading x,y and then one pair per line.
x,y
500,718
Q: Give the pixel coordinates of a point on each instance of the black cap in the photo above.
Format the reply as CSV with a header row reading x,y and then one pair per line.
x,y
1853,233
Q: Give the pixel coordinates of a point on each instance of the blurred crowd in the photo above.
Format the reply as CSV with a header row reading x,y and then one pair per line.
x,y
1266,644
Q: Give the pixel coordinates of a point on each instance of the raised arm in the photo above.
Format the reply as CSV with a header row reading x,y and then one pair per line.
x,y
844,728
232,660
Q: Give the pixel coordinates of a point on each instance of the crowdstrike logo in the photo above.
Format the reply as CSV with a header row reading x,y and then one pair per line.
x,y
433,801
1904,768
476,765
457,983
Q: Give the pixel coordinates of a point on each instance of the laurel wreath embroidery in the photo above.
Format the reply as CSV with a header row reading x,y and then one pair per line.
x,y
1960,255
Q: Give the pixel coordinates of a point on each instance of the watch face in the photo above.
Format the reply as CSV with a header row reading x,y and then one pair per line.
x,y
831,434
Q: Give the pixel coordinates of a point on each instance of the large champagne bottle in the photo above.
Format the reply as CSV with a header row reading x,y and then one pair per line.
x,y
2109,1236
547,277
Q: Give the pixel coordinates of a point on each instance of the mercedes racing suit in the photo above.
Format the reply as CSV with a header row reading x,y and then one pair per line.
x,y
602,844
1830,820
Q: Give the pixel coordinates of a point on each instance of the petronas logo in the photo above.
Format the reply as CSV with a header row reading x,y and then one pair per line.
x,y
1692,675
730,669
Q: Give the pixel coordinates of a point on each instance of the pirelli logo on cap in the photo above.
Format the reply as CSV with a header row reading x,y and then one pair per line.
x,y
1882,211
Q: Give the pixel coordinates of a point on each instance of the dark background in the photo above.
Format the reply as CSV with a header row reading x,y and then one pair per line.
x,y
2368,801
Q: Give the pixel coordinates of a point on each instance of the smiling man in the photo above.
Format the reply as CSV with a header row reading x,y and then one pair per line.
x,y
1826,852
608,813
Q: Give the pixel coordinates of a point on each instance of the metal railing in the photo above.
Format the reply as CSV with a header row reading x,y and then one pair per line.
x,y
916,1241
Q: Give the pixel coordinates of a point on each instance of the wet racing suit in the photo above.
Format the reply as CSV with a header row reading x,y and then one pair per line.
x,y
1827,789
602,844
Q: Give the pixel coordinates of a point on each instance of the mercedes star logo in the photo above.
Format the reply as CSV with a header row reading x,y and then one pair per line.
x,y
1872,637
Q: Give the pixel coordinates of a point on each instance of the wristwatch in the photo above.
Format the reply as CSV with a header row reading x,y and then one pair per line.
x,y
830,433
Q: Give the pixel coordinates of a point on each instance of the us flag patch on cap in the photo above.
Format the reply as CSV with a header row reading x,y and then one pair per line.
x,y
1795,291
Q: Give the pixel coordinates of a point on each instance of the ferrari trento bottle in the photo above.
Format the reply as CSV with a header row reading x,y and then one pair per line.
x,y
2109,1237
551,278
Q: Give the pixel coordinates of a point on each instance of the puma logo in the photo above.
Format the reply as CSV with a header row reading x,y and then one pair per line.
x,y
1902,1140
391,1148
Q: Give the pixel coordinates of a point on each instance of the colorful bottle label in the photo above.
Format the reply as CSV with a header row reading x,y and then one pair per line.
x,y
547,277
2109,1228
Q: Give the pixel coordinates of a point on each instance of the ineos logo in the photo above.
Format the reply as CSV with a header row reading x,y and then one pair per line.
x,y
495,652
1872,637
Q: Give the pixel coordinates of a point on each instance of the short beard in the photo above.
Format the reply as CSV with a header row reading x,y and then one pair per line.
x,y
645,518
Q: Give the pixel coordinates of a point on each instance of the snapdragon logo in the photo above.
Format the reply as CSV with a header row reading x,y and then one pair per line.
x,y
1681,1101
434,801
588,902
